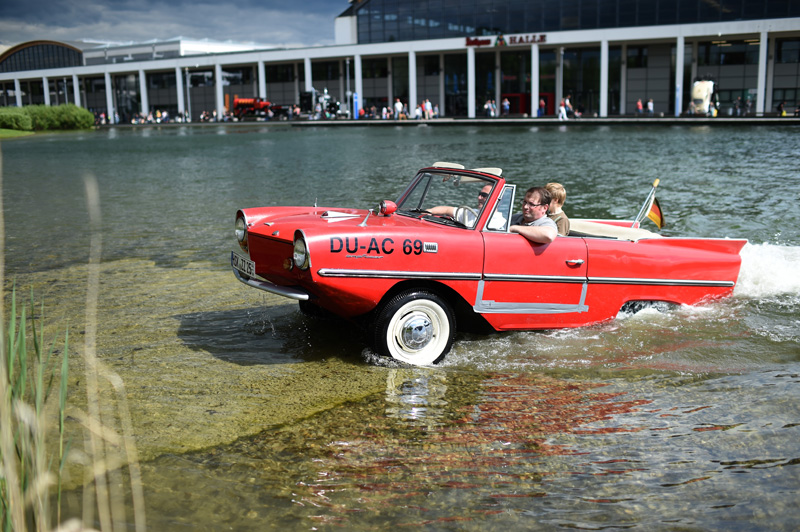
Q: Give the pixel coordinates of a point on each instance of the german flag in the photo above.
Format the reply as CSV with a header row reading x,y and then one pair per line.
x,y
656,214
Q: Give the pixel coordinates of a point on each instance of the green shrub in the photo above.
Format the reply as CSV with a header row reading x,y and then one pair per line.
x,y
45,117
74,117
15,118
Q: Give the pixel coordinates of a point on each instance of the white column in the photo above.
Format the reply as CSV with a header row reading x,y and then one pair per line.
x,y
179,90
76,90
768,101
389,84
764,96
262,81
359,79
308,80
17,92
412,82
623,80
145,100
442,95
559,75
342,75
220,101
109,98
679,53
498,75
46,90
471,82
603,78
534,80
296,83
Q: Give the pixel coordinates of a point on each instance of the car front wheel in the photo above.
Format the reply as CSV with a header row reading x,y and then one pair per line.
x,y
416,327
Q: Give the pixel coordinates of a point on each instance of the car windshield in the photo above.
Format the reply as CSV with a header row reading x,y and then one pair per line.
x,y
446,197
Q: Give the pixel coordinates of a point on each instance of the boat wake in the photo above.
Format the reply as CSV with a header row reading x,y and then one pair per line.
x,y
768,270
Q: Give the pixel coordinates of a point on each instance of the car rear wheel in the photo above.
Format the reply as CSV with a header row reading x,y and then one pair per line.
x,y
416,327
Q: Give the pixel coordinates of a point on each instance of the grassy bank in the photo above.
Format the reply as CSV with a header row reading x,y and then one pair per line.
x,y
13,133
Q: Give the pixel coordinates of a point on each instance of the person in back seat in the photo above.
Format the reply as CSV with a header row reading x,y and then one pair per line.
x,y
558,197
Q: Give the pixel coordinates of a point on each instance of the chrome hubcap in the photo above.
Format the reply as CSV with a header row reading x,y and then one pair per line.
x,y
416,332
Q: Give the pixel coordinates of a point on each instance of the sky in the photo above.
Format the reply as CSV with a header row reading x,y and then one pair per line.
x,y
273,23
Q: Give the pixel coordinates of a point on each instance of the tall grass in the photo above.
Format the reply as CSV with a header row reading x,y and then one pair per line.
x,y
29,376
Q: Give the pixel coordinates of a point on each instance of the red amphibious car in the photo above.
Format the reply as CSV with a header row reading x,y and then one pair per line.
x,y
412,276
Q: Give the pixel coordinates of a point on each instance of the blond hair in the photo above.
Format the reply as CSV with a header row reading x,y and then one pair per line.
x,y
557,192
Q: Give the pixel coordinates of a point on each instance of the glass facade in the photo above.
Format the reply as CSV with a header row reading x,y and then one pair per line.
x,y
402,20
40,56
786,77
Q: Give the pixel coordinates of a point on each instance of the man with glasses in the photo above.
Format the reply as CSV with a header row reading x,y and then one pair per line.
x,y
533,223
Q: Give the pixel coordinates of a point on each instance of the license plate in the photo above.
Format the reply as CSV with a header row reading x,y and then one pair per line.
x,y
246,266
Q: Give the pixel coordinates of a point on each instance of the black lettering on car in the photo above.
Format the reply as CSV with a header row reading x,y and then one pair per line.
x,y
387,251
336,244
355,244
412,246
373,246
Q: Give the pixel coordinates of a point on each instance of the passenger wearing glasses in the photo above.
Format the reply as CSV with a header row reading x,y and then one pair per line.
x,y
532,222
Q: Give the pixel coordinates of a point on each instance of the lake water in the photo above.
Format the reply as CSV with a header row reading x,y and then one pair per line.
x,y
249,415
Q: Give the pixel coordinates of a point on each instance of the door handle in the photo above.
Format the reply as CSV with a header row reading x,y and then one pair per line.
x,y
574,262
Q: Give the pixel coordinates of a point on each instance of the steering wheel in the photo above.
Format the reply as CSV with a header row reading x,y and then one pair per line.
x,y
466,215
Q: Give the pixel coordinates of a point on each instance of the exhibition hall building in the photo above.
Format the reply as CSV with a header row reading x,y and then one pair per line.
x,y
605,56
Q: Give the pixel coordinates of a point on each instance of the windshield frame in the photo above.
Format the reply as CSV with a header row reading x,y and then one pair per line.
x,y
415,199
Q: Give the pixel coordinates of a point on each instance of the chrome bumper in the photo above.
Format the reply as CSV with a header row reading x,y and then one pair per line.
x,y
285,291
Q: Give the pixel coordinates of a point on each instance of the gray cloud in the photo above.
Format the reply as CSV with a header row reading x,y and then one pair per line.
x,y
267,22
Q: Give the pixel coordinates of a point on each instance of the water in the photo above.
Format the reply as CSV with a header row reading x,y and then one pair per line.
x,y
248,415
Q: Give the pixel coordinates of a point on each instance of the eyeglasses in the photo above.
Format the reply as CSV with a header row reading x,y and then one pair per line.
x,y
483,195
535,204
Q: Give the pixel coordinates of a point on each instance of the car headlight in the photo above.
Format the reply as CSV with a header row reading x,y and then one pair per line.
x,y
300,254
240,229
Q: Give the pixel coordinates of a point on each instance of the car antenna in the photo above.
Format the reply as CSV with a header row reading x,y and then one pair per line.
x,y
364,221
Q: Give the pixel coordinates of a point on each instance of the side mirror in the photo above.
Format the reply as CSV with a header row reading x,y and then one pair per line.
x,y
387,207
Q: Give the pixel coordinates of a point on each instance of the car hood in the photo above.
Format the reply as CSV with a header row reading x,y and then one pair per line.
x,y
282,222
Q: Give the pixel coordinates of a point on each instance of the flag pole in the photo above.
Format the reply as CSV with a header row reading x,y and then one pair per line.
x,y
647,203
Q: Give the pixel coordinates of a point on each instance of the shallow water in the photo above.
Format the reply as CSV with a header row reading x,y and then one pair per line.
x,y
248,415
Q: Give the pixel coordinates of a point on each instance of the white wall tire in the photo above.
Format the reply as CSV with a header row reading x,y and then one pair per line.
x,y
416,327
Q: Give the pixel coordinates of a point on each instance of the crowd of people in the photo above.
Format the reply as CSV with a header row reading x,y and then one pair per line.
x,y
490,108
399,110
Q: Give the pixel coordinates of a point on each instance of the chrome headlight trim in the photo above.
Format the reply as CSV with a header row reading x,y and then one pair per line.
x,y
240,228
300,256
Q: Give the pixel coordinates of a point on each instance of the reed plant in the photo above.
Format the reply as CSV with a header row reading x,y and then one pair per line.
x,y
29,374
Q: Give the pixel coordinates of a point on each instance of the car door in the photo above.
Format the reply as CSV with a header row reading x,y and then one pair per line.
x,y
533,286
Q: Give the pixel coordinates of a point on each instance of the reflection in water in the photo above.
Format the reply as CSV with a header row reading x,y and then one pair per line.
x,y
471,451
418,398
451,448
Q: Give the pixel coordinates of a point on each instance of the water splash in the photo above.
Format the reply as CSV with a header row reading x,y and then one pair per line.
x,y
768,271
